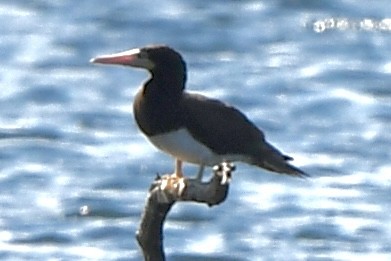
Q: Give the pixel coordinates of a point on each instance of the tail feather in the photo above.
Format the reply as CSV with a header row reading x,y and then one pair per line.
x,y
273,160
283,167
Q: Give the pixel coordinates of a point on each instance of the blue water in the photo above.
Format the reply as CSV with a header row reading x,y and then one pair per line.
x,y
68,138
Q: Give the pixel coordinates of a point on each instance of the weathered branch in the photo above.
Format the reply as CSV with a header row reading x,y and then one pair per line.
x,y
163,194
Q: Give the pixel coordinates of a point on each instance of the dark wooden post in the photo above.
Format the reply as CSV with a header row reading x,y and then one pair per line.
x,y
164,192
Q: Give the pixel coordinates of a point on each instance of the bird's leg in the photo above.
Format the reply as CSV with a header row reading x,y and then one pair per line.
x,y
174,183
178,169
200,172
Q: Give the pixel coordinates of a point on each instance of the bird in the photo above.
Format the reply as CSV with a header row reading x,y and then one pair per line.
x,y
189,126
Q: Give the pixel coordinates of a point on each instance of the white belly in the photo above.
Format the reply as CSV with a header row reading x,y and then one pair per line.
x,y
183,146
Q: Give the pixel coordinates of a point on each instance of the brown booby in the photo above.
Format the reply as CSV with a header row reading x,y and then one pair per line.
x,y
189,126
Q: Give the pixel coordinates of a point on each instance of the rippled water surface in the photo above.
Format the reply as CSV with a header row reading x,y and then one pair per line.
x,y
68,138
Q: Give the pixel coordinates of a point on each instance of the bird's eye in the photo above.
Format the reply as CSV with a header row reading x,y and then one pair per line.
x,y
142,55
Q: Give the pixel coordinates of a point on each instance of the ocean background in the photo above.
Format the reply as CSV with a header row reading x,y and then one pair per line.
x,y
315,76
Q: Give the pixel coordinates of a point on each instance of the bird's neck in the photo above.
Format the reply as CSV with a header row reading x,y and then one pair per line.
x,y
164,87
157,107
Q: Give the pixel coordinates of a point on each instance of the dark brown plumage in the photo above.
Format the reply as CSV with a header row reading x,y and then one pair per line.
x,y
192,127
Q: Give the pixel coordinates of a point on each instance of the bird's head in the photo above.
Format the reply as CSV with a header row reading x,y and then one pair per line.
x,y
160,60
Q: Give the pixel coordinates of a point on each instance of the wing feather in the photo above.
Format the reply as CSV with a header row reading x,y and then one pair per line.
x,y
223,128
